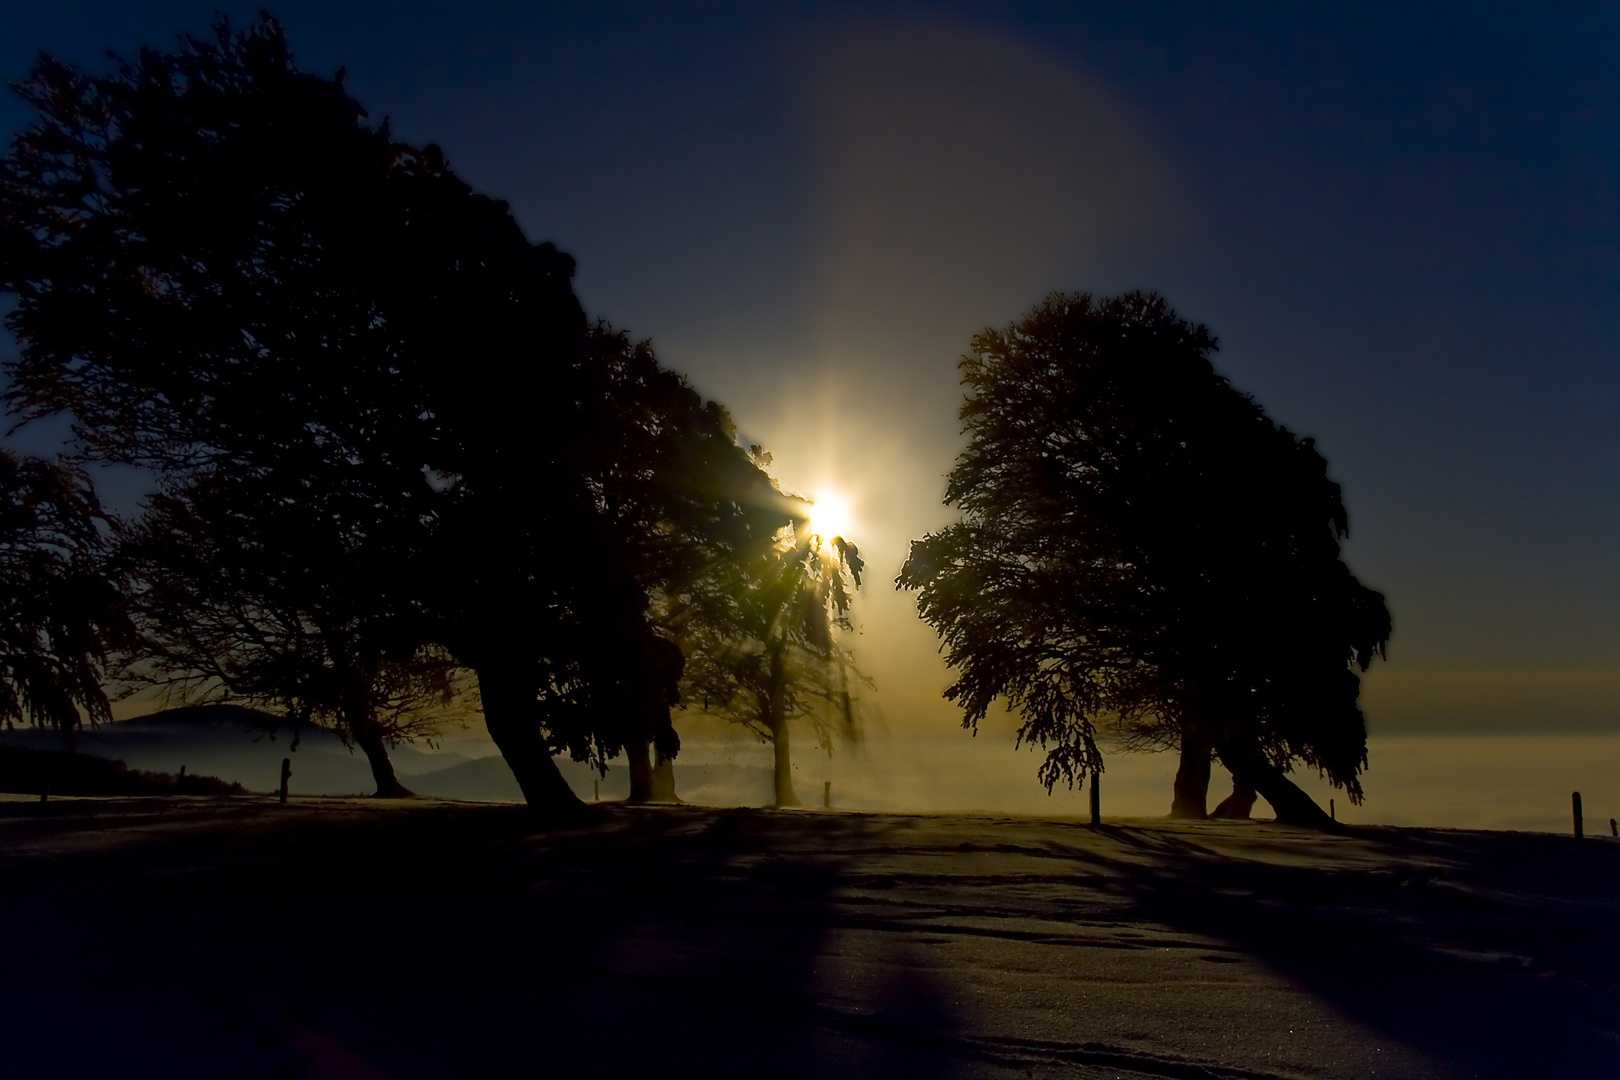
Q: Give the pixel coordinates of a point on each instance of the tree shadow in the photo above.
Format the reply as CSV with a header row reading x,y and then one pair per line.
x,y
1495,951
462,941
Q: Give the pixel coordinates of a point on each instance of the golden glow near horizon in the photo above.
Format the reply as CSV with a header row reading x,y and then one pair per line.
x,y
830,515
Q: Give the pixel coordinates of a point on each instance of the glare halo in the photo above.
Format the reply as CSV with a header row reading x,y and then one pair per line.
x,y
830,515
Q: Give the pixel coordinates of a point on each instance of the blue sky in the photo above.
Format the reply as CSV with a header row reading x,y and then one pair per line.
x,y
1402,222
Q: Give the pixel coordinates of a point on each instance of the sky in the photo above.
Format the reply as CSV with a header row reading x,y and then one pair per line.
x,y
1402,223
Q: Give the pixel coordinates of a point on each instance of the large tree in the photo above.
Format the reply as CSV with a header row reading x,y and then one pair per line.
x,y
222,270
1143,551
61,611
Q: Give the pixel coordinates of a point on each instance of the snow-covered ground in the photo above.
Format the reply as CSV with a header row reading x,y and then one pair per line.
x,y
366,938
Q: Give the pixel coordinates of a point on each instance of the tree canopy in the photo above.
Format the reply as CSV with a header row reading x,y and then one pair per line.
x,y
1142,551
764,641
221,270
244,597
61,614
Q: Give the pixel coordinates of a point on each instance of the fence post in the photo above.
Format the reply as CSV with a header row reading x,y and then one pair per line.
x,y
1096,800
1575,804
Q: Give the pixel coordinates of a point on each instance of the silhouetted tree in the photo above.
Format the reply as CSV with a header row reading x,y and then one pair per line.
x,y
245,597
689,503
1142,549
763,646
222,271
61,613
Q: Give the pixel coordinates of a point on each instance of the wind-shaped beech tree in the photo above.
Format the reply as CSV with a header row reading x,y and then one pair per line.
x,y
762,636
684,506
246,596
1142,549
221,270
60,612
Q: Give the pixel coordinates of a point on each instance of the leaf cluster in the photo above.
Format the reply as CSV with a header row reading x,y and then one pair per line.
x,y
762,633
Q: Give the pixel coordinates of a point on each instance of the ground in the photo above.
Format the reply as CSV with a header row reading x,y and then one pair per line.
x,y
196,937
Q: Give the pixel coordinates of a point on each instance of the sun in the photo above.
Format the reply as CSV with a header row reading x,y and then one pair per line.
x,y
829,515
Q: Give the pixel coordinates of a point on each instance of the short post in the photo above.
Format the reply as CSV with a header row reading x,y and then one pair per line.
x,y
826,793
1575,804
182,772
1096,800
1332,811
286,774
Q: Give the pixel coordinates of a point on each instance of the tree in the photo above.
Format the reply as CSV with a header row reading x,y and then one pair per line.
x,y
61,612
762,642
683,503
244,597
221,270
1143,551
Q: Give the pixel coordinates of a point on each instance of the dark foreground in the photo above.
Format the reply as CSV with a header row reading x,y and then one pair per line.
x,y
334,938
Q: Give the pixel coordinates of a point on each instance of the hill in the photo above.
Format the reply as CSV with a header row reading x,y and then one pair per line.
x,y
56,772
238,745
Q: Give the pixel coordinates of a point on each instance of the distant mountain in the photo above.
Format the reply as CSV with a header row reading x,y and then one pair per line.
x,y
237,745
245,746
482,780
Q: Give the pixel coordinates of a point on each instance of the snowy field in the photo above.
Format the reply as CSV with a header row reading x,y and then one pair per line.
x,y
416,939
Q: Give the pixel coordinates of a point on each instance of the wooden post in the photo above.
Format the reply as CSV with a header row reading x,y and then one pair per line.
x,y
826,793
1575,804
1096,801
286,774
182,772
1332,811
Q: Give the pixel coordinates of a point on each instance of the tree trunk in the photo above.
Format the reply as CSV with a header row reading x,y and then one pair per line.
x,y
776,724
1292,806
1191,791
510,714
638,754
663,779
382,767
360,717
784,764
1239,804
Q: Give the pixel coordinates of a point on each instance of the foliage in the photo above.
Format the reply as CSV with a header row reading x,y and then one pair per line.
x,y
259,601
223,272
60,611
791,604
1142,549
762,635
